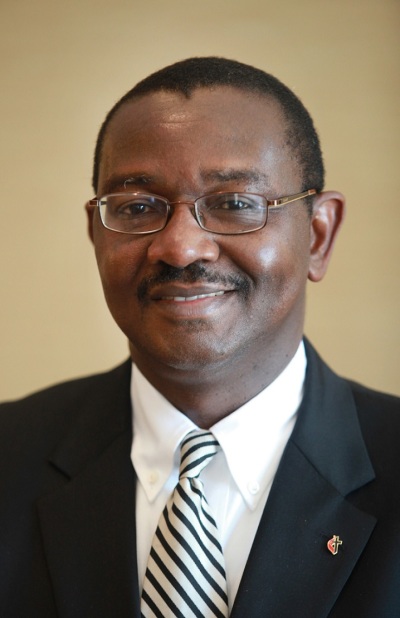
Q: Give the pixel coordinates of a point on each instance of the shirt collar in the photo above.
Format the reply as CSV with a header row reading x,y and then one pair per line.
x,y
252,438
259,430
158,429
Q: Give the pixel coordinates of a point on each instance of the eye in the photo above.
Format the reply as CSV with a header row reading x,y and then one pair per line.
x,y
234,202
135,208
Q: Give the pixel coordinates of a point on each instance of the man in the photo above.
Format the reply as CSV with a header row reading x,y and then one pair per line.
x,y
209,218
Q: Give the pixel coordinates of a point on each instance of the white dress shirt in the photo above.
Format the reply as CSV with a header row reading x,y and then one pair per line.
x,y
238,479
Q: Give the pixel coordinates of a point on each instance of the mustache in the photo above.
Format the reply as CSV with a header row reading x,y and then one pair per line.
x,y
193,273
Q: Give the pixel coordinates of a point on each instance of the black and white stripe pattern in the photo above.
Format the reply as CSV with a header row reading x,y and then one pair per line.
x,y
185,574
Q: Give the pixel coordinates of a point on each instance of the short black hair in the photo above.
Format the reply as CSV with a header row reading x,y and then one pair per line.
x,y
208,72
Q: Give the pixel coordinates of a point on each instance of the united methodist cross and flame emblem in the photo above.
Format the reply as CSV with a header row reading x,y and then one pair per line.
x,y
333,544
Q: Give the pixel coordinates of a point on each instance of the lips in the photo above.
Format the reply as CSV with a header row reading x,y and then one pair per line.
x,y
183,299
186,293
193,283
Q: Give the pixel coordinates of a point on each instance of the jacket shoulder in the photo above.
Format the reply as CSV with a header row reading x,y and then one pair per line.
x,y
29,421
69,389
372,404
379,419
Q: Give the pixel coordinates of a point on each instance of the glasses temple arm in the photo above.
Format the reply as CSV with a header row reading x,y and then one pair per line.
x,y
291,198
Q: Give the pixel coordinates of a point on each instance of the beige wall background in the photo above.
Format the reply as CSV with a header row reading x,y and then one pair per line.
x,y
64,64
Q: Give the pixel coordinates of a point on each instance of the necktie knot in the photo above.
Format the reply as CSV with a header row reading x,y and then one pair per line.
x,y
197,450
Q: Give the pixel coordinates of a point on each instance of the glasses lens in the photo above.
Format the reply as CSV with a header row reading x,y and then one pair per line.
x,y
133,213
232,213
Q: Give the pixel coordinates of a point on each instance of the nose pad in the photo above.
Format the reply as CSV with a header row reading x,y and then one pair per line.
x,y
182,241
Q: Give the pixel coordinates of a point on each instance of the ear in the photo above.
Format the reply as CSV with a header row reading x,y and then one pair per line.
x,y
90,210
327,217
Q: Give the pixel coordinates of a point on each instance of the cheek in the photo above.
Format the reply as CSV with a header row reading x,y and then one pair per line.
x,y
276,273
267,259
267,256
119,258
279,262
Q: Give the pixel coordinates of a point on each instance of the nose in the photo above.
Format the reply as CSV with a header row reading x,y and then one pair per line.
x,y
182,241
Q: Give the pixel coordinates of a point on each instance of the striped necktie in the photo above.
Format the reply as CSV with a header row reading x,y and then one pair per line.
x,y
185,576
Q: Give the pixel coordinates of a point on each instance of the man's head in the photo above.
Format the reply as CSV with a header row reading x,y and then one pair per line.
x,y
210,72
199,307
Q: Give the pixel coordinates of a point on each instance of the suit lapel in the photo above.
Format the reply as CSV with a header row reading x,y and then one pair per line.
x,y
88,525
290,571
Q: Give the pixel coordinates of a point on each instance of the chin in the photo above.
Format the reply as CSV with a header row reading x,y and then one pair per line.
x,y
189,355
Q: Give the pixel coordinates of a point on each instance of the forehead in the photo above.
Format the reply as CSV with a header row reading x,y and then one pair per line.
x,y
217,128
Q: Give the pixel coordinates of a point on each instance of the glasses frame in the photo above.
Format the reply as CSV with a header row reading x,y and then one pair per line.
x,y
276,203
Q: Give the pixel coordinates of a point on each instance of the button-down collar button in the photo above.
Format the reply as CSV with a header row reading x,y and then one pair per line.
x,y
253,487
153,477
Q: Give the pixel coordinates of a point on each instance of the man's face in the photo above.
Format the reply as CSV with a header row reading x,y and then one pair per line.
x,y
187,299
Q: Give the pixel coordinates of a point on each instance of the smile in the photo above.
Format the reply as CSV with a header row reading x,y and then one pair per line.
x,y
183,299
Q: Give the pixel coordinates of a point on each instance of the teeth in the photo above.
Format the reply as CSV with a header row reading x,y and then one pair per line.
x,y
183,299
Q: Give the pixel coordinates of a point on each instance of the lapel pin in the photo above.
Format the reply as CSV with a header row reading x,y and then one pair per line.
x,y
333,544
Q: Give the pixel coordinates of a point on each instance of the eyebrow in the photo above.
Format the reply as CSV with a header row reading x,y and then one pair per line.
x,y
235,175
118,182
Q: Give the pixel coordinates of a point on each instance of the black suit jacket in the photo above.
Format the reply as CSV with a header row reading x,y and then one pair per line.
x,y
67,506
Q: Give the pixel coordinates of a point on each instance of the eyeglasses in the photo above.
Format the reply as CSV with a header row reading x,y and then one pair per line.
x,y
219,213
